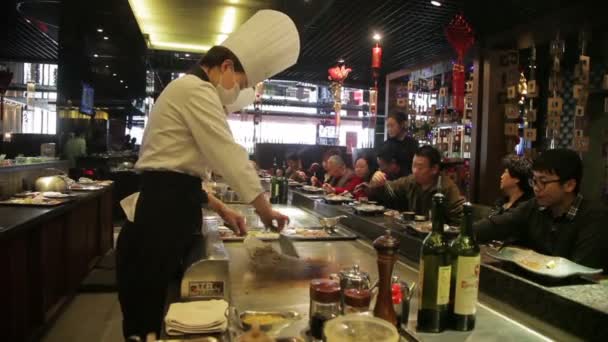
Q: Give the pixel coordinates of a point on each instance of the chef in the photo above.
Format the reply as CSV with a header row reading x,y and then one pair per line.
x,y
186,133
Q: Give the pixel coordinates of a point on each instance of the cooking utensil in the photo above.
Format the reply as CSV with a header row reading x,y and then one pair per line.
x,y
287,246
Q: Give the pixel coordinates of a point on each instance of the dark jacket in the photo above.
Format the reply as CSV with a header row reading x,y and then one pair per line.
x,y
499,208
409,196
579,235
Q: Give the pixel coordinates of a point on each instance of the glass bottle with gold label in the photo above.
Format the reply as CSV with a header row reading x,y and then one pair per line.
x,y
434,274
465,274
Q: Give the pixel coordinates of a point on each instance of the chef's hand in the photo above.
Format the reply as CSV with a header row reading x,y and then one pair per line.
x,y
267,215
272,217
233,220
378,179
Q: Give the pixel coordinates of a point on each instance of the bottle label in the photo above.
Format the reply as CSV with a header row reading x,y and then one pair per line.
x,y
467,285
443,284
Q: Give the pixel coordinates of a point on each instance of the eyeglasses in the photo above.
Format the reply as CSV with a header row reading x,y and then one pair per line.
x,y
541,183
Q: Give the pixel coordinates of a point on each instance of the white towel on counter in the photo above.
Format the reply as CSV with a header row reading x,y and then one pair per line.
x,y
199,317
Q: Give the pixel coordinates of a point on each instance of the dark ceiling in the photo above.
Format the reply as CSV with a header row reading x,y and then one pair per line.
x,y
412,31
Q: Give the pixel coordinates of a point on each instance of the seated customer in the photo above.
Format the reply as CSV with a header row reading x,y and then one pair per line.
x,y
365,167
415,192
514,184
558,221
341,178
320,176
295,171
392,160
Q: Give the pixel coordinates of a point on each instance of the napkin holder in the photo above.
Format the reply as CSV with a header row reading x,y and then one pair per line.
x,y
206,275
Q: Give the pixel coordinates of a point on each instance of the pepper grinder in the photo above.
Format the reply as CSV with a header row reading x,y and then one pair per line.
x,y
386,246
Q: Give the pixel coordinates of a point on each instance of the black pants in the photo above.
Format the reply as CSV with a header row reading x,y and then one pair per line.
x,y
151,249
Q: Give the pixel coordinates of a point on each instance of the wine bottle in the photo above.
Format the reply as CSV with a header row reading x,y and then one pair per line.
x,y
434,274
465,274
275,184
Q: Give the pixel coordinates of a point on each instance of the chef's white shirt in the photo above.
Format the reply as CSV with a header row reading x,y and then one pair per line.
x,y
187,132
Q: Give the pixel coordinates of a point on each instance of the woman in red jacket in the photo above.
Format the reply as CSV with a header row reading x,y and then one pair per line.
x,y
364,168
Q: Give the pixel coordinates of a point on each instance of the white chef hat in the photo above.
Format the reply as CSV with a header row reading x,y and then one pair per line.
x,y
266,44
246,97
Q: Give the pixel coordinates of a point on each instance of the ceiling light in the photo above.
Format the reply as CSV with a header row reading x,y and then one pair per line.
x,y
107,66
95,55
436,3
377,37
228,20
121,81
187,55
220,39
126,87
114,74
28,21
100,30
106,37
179,46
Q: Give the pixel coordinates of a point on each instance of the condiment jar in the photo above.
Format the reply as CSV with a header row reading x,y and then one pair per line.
x,y
324,304
356,301
353,278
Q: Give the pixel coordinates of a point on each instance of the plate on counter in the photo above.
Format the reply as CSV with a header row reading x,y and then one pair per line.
x,y
227,234
337,199
317,234
311,189
53,194
369,209
550,266
34,201
85,187
425,227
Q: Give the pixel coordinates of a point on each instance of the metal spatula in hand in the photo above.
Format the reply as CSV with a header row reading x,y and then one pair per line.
x,y
287,246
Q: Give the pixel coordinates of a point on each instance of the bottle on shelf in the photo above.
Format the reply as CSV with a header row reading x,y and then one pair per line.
x,y
434,274
464,252
275,184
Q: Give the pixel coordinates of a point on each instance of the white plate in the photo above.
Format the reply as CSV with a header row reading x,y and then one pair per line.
x,y
52,194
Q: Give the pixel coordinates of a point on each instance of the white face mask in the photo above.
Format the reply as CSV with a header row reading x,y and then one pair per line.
x,y
227,96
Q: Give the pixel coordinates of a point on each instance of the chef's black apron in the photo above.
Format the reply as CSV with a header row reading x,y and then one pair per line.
x,y
150,250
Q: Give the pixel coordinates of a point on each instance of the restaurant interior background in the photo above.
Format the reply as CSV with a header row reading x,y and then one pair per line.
x,y
125,52
529,76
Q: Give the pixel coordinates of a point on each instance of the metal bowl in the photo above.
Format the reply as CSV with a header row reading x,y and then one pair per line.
x,y
51,183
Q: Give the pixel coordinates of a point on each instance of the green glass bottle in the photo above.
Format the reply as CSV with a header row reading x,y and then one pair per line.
x,y
275,185
434,274
464,252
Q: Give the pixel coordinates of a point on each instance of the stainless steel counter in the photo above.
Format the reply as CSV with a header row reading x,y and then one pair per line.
x,y
287,289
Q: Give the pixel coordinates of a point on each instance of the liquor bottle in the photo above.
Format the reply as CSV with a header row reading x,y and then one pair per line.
x,y
434,274
275,166
465,274
284,190
275,185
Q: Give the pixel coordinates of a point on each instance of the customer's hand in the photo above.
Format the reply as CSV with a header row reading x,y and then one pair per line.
x,y
233,220
378,179
361,187
328,188
314,180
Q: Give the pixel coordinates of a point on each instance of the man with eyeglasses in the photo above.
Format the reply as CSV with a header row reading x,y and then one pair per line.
x,y
558,221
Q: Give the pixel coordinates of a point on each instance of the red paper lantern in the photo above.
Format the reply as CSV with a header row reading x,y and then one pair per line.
x,y
377,56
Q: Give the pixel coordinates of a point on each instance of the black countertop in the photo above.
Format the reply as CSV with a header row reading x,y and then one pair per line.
x,y
575,305
14,218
